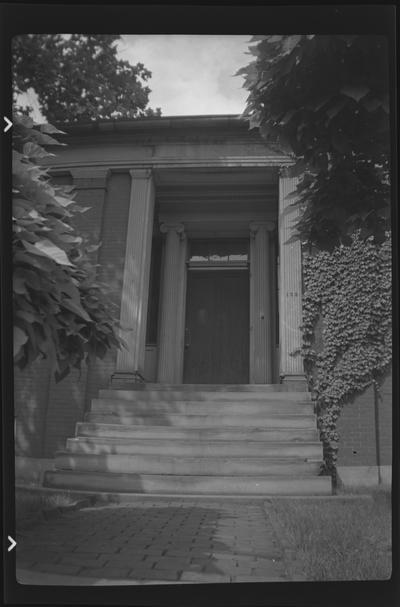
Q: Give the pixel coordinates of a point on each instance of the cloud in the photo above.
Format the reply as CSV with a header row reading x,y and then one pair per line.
x,y
191,74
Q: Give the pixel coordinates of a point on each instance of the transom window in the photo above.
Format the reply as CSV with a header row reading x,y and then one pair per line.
x,y
218,253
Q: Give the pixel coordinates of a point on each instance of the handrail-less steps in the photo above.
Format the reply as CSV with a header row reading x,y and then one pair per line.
x,y
195,440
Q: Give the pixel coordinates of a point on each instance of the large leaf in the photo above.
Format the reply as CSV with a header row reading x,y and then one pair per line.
x,y
70,289
20,338
28,316
34,150
50,129
355,91
48,249
63,201
44,139
75,307
19,285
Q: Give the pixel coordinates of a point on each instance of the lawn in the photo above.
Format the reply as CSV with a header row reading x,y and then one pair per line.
x,y
32,505
337,539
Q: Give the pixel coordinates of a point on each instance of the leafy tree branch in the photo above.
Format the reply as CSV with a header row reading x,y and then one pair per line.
x,y
79,78
61,312
325,101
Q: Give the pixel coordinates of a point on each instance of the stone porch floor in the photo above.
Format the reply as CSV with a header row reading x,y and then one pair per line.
x,y
154,540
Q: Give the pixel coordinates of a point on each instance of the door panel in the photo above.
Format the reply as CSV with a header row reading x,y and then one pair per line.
x,y
217,327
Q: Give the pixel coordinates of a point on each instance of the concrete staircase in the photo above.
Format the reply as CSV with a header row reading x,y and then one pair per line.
x,y
247,440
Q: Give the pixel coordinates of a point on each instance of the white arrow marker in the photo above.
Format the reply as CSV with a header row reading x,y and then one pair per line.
x,y
13,543
9,124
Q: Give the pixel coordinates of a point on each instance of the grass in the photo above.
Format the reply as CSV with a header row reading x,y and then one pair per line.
x,y
337,539
30,505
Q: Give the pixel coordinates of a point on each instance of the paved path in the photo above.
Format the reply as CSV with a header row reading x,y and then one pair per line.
x,y
156,540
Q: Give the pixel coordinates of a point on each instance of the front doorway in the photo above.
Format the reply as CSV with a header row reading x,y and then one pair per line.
x,y
217,314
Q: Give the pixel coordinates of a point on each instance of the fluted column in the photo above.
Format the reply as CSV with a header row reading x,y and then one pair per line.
x,y
169,355
290,290
260,303
135,290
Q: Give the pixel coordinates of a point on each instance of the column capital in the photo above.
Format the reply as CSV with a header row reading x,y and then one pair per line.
x,y
266,226
89,177
141,173
179,228
284,171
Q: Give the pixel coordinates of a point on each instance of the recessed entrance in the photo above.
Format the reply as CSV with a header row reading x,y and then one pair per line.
x,y
217,314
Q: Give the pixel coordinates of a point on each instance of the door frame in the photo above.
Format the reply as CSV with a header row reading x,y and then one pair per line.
x,y
180,280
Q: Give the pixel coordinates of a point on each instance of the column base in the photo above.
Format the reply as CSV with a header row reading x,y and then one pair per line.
x,y
294,382
125,380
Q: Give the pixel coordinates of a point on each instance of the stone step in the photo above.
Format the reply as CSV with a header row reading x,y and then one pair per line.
x,y
182,465
266,420
177,447
211,387
188,484
189,433
124,407
204,395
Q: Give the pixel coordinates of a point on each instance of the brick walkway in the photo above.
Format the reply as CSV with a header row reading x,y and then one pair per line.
x,y
170,540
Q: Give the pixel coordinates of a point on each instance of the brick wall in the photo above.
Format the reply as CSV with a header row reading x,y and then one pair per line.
x,y
46,412
358,445
385,422
31,397
65,408
111,267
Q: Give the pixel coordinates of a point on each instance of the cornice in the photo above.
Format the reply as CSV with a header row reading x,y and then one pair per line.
x,y
165,163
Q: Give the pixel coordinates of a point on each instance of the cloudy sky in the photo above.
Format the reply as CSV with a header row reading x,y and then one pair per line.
x,y
191,74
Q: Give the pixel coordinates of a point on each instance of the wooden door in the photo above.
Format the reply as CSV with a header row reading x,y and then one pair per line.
x,y
217,327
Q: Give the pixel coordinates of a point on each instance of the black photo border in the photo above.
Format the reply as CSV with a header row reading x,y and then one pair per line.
x,y
183,18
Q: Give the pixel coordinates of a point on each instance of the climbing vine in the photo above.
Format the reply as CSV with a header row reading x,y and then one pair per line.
x,y
346,327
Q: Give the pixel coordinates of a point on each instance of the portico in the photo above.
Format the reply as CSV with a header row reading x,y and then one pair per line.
x,y
227,292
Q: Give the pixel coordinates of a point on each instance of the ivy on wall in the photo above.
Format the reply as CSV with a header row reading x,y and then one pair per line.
x,y
346,327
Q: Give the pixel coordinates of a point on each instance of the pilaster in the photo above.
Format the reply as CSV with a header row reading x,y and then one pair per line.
x,y
290,289
135,289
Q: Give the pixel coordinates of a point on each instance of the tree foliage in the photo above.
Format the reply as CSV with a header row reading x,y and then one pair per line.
x,y
78,78
61,311
324,99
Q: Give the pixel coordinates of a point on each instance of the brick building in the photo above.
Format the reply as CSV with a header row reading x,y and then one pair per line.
x,y
194,217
